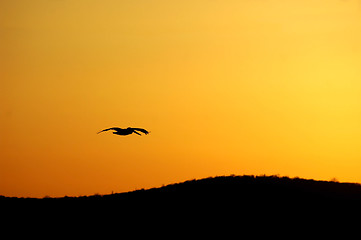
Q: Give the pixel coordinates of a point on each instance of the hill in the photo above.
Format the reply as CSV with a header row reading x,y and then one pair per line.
x,y
230,190
226,205
255,202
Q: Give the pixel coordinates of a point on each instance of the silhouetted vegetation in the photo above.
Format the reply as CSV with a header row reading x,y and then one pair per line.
x,y
230,190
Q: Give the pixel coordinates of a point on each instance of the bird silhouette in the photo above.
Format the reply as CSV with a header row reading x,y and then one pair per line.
x,y
125,131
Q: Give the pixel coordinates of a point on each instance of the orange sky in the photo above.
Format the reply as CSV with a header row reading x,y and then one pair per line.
x,y
224,86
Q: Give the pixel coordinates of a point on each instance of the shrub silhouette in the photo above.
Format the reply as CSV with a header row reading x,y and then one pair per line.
x,y
231,190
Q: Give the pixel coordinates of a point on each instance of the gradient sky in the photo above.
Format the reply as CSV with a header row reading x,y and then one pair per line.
x,y
224,86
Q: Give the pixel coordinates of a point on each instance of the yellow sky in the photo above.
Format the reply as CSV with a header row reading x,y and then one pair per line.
x,y
225,87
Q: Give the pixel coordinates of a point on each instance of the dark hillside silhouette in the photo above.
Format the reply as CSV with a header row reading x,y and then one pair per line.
x,y
254,202
241,205
231,190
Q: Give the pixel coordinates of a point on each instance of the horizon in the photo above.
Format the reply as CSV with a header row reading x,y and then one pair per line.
x,y
225,87
232,176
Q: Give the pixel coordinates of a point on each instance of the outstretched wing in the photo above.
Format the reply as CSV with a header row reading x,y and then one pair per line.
x,y
113,128
141,130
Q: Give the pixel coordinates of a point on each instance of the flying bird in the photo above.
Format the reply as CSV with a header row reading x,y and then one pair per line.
x,y
125,131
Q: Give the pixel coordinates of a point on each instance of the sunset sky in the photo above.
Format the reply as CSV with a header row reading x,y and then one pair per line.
x,y
224,86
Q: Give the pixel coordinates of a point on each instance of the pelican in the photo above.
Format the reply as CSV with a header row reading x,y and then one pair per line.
x,y
125,131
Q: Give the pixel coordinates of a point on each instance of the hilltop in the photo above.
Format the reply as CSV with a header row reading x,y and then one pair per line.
x,y
247,189
233,205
